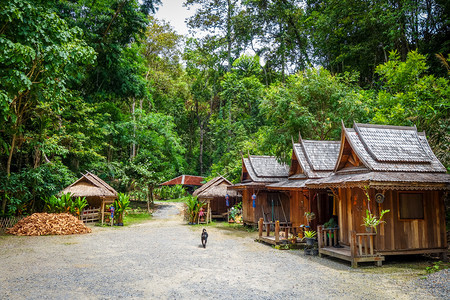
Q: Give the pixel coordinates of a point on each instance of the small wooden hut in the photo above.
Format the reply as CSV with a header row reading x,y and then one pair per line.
x,y
257,201
96,191
189,182
398,169
310,160
213,193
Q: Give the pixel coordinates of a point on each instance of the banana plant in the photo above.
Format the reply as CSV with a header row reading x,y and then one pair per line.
x,y
79,204
121,204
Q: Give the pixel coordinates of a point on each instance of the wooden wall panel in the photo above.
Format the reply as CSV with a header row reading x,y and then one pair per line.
x,y
298,207
411,234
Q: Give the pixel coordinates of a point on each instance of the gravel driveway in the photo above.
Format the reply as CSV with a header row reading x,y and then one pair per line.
x,y
163,259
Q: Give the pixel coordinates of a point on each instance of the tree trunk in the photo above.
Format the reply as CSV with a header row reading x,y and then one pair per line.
x,y
201,147
229,8
13,145
5,200
133,145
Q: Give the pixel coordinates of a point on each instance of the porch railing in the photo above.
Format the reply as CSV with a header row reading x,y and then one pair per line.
x,y
327,237
362,245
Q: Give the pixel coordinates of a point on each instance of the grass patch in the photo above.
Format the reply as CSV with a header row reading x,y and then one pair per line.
x,y
136,217
181,200
407,266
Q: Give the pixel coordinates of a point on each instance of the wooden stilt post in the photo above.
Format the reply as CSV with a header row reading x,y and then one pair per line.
x,y
277,232
260,227
103,210
353,249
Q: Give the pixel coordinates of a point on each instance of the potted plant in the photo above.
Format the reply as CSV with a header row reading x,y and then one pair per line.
x,y
309,215
310,237
370,221
235,213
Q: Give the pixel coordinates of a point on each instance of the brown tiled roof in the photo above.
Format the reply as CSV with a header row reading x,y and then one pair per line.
x,y
185,180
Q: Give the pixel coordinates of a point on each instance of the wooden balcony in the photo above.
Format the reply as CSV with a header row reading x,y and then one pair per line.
x,y
361,247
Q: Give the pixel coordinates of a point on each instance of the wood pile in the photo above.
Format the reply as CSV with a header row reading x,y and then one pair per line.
x,y
49,224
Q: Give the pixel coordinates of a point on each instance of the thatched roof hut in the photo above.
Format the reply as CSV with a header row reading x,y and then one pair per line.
x,y
216,187
93,188
214,192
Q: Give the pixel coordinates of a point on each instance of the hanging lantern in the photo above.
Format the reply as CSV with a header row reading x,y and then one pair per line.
x,y
227,200
254,200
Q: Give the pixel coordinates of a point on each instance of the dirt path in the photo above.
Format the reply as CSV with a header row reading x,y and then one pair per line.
x,y
163,259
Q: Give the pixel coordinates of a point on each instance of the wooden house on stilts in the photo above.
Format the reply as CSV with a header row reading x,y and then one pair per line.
x,y
396,169
310,160
258,201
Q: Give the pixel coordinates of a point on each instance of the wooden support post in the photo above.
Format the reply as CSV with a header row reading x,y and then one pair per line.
x,y
335,233
260,227
371,244
277,232
103,211
360,245
268,229
319,236
353,249
330,241
365,245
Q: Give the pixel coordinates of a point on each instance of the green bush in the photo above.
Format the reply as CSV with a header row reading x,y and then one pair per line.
x,y
170,192
65,204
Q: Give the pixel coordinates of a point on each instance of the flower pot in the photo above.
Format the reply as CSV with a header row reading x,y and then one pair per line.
x,y
310,241
369,229
315,252
307,251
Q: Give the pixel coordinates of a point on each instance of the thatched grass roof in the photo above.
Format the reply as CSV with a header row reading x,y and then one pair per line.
x,y
90,185
216,187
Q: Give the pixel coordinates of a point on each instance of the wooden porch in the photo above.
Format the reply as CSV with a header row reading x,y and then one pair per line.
x,y
277,238
361,247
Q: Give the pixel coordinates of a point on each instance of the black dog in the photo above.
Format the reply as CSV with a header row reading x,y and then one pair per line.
x,y
204,237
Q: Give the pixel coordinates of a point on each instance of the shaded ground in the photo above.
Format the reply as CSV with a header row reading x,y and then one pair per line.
x,y
163,258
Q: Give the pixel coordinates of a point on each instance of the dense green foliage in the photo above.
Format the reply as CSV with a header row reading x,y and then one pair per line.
x,y
104,86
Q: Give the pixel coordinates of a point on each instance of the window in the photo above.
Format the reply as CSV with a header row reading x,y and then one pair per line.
x,y
411,205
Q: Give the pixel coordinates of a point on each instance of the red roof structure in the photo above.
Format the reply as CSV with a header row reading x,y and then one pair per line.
x,y
188,180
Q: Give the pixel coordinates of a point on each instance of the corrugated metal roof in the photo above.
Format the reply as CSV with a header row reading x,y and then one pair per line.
x,y
185,180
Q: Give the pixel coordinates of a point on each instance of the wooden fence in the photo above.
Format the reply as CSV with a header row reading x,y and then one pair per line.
x,y
90,215
9,222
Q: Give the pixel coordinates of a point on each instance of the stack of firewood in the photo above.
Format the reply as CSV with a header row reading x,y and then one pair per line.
x,y
49,224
